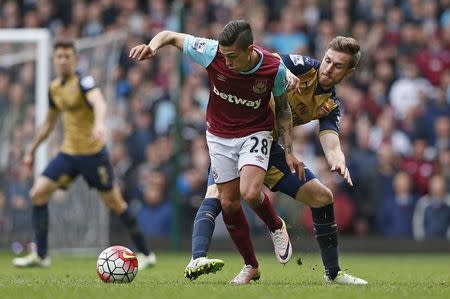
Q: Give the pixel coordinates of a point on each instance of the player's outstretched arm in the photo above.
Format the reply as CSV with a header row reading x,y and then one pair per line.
x,y
160,40
335,157
96,99
42,133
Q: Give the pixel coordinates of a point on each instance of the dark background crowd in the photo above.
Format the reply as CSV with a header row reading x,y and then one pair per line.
x,y
395,127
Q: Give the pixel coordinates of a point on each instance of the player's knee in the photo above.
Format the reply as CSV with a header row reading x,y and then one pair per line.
x,y
114,201
230,206
251,195
212,191
117,207
322,198
38,196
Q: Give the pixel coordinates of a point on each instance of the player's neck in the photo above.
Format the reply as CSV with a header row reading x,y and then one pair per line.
x,y
254,60
65,77
326,87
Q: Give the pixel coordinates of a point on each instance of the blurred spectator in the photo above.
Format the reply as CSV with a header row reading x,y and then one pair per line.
x,y
432,213
288,38
442,132
395,213
433,59
418,165
155,216
442,164
3,218
385,132
406,92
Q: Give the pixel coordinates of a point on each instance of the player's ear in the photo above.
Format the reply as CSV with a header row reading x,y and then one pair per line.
x,y
350,72
250,51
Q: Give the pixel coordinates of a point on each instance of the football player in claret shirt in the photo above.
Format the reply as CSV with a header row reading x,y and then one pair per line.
x,y
316,99
242,78
82,108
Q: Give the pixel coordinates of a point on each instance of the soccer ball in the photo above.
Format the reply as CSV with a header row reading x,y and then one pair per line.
x,y
117,264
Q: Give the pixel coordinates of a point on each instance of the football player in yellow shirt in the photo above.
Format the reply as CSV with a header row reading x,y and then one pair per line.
x,y
81,106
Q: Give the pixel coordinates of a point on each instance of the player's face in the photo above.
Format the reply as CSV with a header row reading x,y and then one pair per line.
x,y
64,61
334,68
236,59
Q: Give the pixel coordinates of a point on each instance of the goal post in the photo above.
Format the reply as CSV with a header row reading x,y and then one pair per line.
x,y
41,37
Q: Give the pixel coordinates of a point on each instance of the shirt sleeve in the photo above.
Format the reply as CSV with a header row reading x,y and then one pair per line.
x,y
331,121
299,64
87,83
281,84
200,50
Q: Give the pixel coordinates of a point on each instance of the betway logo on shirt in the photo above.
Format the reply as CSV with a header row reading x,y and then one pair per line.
x,y
238,101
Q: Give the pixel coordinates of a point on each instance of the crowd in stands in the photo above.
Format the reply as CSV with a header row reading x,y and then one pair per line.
x,y
394,130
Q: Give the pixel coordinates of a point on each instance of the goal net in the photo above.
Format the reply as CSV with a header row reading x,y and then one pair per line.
x,y
78,218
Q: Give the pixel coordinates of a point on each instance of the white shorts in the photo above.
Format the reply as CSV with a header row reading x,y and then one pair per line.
x,y
229,155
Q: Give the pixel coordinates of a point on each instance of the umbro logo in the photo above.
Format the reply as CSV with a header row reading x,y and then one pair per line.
x,y
260,158
221,77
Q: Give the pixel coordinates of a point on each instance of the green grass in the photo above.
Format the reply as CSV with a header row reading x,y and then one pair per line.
x,y
389,276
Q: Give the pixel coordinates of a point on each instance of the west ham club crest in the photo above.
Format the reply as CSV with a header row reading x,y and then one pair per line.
x,y
260,86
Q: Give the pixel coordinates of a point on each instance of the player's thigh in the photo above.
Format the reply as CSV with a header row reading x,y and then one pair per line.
x,y
42,189
211,191
252,178
315,194
97,170
59,173
279,176
255,150
253,162
224,155
113,199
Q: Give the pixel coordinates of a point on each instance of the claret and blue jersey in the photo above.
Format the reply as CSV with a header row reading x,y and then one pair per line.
x,y
239,103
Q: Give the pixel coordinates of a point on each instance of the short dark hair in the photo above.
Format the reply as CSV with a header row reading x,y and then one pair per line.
x,y
236,33
347,45
65,44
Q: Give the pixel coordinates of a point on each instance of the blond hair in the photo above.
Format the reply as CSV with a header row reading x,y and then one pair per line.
x,y
347,45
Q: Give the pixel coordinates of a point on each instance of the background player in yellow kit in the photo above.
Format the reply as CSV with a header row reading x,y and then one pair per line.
x,y
82,108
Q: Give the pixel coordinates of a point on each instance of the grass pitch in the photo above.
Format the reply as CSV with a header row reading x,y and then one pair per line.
x,y
389,276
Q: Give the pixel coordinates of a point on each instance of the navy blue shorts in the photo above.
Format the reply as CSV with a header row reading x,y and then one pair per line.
x,y
278,176
96,169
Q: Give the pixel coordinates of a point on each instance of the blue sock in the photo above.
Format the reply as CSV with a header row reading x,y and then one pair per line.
x,y
326,233
136,235
40,226
204,224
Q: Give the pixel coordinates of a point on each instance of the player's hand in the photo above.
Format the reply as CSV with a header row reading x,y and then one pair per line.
x,y
99,132
342,170
142,52
28,160
293,82
296,165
